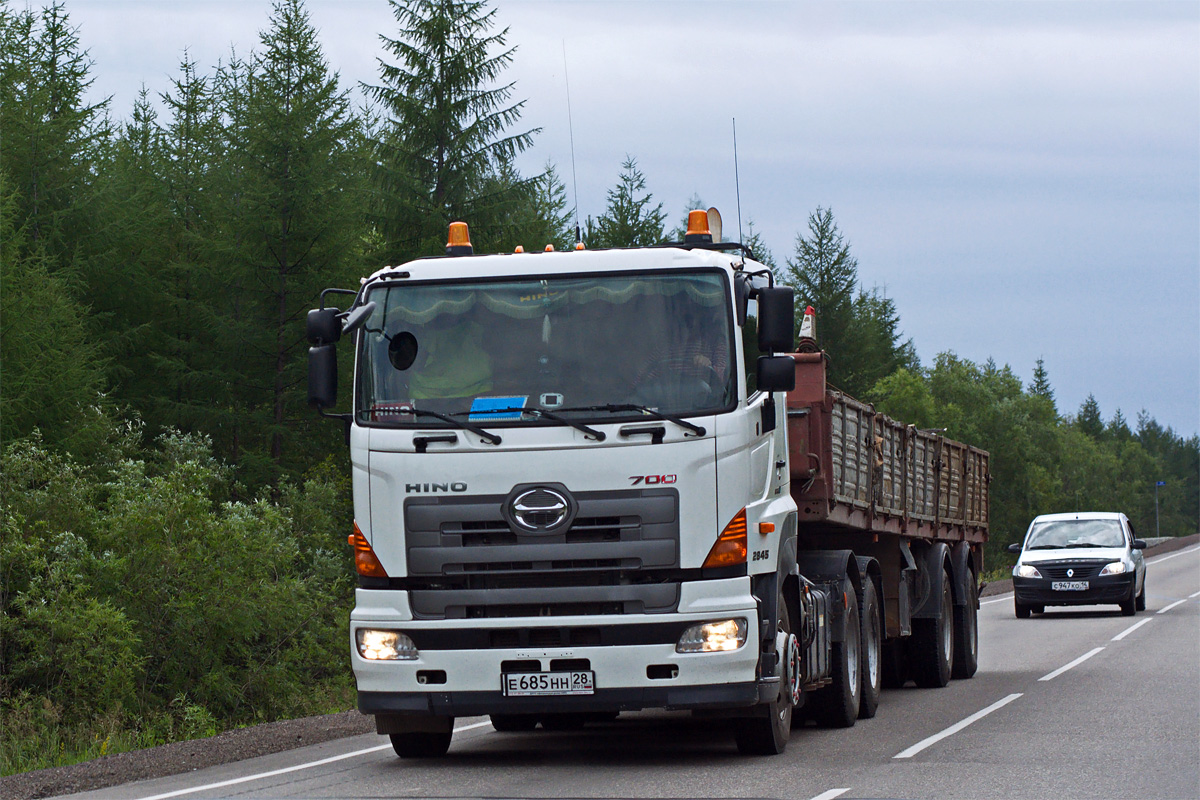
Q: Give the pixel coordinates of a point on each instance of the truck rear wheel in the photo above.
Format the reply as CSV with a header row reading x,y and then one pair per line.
x,y
932,648
872,652
966,632
836,706
420,744
766,733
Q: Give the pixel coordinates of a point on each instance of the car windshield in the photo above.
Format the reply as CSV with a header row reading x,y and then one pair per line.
x,y
1055,534
580,348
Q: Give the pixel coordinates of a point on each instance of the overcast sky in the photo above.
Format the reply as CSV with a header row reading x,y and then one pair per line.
x,y
1022,178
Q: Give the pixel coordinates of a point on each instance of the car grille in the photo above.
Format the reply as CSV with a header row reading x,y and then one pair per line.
x,y
1057,570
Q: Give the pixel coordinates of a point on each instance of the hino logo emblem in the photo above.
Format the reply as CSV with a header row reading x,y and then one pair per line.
x,y
539,509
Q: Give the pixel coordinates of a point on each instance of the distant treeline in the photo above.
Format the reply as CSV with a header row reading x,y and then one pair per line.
x,y
173,556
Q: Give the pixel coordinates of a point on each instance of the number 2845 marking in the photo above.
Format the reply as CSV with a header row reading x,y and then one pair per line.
x,y
761,555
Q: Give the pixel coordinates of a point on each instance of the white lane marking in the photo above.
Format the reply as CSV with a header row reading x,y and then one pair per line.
x,y
1192,596
1165,609
285,770
955,728
832,793
999,599
1072,665
1174,555
1131,629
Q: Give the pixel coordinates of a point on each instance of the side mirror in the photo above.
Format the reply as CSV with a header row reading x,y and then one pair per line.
x,y
1015,547
322,375
323,326
776,319
357,317
776,373
1139,544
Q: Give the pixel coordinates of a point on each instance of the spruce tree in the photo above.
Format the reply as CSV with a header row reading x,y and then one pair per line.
x,y
629,220
448,126
1088,419
824,275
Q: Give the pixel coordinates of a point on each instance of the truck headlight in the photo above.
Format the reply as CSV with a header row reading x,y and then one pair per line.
x,y
713,637
376,645
1115,568
1026,571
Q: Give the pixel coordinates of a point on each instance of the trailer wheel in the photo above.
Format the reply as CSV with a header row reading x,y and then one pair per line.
x,y
421,744
766,734
511,723
932,653
966,632
837,705
872,652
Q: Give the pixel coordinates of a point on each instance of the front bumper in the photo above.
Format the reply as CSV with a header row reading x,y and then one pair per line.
x,y
1100,591
460,663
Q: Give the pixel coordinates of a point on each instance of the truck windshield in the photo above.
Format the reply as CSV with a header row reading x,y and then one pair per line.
x,y
1058,534
484,350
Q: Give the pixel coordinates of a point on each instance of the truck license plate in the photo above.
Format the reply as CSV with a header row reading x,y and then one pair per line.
x,y
526,684
1069,586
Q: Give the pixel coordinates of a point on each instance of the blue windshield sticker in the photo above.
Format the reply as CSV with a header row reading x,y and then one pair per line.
x,y
492,409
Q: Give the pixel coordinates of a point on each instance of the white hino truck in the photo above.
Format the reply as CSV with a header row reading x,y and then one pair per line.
x,y
597,481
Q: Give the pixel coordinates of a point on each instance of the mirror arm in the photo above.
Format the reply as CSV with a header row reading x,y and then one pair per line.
x,y
347,420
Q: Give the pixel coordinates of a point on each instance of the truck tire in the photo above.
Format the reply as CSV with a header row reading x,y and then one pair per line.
x,y
966,632
872,652
836,706
421,744
766,733
511,723
931,653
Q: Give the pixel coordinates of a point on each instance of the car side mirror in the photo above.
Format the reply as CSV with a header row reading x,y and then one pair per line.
x,y
1139,544
776,374
1015,547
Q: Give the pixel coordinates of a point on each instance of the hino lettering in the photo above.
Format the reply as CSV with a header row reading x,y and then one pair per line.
x,y
409,488
668,508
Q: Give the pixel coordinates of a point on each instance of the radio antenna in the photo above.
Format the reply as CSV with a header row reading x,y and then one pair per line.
x,y
571,131
736,182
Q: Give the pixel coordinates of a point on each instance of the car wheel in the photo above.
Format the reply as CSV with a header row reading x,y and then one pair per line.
x,y
511,723
421,744
1022,610
1129,605
1141,598
1038,609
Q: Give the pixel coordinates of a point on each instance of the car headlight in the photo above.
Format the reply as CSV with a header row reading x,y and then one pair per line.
x,y
713,637
1026,571
1115,568
376,645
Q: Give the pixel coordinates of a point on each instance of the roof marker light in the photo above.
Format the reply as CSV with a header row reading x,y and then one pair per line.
x,y
549,248
579,246
519,249
697,229
459,242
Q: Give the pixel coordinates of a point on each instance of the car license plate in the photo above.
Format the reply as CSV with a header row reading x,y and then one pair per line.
x,y
526,684
1069,586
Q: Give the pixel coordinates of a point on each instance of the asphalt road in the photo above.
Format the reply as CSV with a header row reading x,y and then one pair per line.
x,y
1072,703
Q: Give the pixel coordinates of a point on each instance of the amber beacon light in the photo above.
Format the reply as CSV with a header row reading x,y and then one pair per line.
x,y
459,241
697,229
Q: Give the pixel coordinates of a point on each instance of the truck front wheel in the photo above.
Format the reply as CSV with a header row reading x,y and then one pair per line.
x,y
837,705
766,733
420,744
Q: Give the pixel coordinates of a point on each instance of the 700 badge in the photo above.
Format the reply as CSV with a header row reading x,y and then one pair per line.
x,y
653,480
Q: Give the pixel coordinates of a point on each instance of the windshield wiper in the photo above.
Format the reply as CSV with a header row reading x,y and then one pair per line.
x,y
617,408
1045,547
458,423
590,432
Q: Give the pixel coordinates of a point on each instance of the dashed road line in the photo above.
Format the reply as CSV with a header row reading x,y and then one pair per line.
x,y
1165,609
832,793
1131,629
1193,596
1072,665
956,727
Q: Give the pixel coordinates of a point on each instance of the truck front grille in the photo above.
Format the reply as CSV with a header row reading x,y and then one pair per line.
x,y
619,556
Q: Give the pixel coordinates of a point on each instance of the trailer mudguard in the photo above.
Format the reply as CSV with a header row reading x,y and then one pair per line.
x,y
930,574
961,566
830,567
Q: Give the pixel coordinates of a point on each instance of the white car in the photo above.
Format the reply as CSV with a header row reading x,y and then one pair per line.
x,y
1078,559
